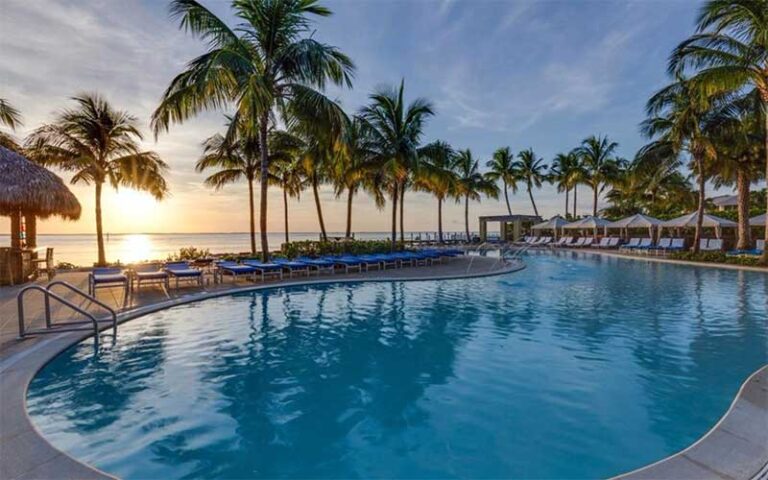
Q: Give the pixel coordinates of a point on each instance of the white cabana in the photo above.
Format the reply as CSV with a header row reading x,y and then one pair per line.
x,y
553,224
708,221
587,223
757,221
637,220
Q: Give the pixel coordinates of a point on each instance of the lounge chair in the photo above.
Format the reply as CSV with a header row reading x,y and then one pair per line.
x,y
677,244
149,273
633,243
645,244
318,264
604,242
348,262
712,245
370,261
758,250
107,278
578,243
265,269
545,241
234,269
562,242
388,259
588,241
533,240
292,266
183,271
662,246
615,242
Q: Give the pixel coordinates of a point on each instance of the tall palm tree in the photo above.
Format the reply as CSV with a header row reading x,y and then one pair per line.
x,y
11,118
289,176
269,63
354,166
100,145
678,120
471,184
730,52
566,173
437,175
395,129
597,156
502,167
532,171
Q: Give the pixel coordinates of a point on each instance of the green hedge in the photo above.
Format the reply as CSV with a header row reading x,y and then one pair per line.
x,y
314,248
716,257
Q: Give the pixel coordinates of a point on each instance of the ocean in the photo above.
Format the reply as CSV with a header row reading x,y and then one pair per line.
x,y
80,249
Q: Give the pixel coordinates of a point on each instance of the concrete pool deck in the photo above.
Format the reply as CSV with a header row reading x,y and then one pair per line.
x,y
736,448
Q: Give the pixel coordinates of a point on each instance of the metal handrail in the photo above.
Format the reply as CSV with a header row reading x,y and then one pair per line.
x,y
47,295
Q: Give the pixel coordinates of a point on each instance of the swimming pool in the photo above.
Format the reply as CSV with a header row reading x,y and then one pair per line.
x,y
580,366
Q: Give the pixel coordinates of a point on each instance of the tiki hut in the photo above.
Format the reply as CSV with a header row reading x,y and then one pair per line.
x,y
28,190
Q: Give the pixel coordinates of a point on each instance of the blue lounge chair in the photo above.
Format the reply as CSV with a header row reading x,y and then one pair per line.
x,y
108,278
370,261
758,250
348,262
318,264
292,266
388,259
234,269
184,271
265,269
711,245
149,273
677,244
645,245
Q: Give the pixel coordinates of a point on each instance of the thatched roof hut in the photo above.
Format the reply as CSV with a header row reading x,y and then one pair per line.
x,y
28,188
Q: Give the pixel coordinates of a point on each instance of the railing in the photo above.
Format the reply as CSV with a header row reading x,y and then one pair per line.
x,y
67,326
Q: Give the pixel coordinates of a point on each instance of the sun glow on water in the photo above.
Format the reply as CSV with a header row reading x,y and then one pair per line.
x,y
135,248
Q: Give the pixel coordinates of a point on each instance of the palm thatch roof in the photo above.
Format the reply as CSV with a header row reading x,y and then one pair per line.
x,y
637,220
553,223
29,188
689,221
757,220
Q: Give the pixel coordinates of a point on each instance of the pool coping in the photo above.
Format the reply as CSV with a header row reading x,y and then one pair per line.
x,y
25,453
671,261
711,456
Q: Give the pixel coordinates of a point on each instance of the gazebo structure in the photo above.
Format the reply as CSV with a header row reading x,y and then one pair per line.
x,y
689,221
636,221
587,223
757,220
553,224
511,227
28,191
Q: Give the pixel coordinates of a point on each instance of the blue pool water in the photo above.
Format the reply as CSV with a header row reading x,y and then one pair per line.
x,y
578,367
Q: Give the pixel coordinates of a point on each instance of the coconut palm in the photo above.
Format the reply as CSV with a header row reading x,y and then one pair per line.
x,y
730,52
395,129
11,118
532,171
269,63
289,176
502,167
471,184
679,117
566,172
100,145
437,175
597,157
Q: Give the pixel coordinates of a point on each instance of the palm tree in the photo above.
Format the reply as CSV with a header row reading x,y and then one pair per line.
x,y
99,144
532,171
437,175
566,172
502,167
289,175
395,129
731,52
268,63
679,122
599,163
11,118
354,166
471,184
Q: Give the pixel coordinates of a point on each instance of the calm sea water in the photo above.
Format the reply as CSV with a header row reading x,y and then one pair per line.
x,y
128,248
579,366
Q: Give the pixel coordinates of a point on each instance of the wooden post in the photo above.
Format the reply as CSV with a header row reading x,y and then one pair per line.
x,y
16,231
30,221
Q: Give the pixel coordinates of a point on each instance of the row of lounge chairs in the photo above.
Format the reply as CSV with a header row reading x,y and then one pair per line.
x,y
254,268
641,245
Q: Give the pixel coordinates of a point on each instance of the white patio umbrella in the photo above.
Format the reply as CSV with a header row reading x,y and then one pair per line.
x,y
757,221
637,220
552,224
708,221
590,222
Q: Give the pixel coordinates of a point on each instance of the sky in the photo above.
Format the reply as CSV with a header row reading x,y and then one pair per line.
x,y
521,73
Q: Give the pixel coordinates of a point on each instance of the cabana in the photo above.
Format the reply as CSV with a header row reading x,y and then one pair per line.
x,y
587,223
634,221
552,224
28,191
757,221
708,221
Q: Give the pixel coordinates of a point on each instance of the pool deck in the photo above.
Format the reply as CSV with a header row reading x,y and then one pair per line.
x,y
736,448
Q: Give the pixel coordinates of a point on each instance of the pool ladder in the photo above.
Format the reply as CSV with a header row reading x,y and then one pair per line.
x,y
50,327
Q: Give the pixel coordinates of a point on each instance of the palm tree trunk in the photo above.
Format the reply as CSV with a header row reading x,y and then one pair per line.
x,y
323,233
264,185
349,211
440,219
466,216
506,197
702,200
530,194
594,200
30,222
99,229
764,258
742,190
285,214
252,211
567,192
575,188
402,221
394,216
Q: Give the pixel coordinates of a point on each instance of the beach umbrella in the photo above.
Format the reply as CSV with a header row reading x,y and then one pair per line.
x,y
552,224
587,223
708,221
637,220
757,221
31,190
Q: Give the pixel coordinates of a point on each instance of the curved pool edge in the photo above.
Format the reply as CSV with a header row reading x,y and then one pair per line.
x,y
736,447
25,453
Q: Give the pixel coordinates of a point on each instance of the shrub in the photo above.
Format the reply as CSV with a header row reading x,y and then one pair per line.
x,y
65,266
716,257
189,253
312,248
